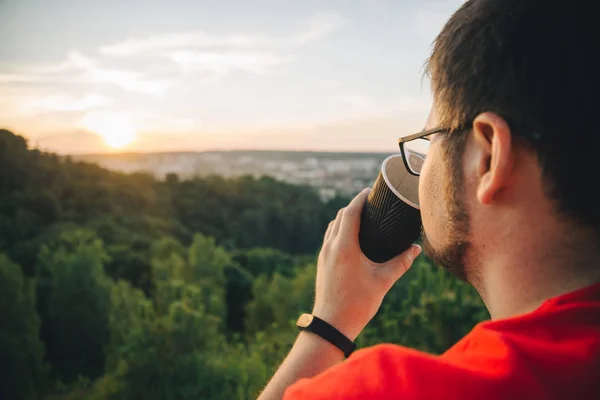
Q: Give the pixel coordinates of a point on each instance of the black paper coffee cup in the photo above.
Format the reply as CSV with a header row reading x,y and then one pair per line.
x,y
391,219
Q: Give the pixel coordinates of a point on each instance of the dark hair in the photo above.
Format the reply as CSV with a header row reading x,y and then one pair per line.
x,y
533,63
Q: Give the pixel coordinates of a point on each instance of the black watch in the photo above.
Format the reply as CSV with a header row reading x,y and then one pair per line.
x,y
316,325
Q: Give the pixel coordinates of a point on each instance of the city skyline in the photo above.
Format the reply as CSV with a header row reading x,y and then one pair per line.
x,y
91,77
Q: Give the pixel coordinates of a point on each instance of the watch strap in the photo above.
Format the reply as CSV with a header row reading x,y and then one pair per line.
x,y
329,333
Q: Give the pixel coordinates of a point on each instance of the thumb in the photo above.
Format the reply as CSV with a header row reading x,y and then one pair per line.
x,y
398,265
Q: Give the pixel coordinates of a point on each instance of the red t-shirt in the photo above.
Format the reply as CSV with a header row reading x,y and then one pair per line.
x,y
551,353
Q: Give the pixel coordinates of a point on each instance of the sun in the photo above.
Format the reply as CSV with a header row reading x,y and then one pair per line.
x,y
116,130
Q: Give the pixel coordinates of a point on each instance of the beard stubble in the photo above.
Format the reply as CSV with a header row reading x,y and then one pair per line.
x,y
451,254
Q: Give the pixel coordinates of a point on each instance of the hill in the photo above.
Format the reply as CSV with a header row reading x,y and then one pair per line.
x,y
126,286
42,193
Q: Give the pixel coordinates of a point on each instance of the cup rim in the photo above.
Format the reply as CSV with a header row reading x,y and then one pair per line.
x,y
392,188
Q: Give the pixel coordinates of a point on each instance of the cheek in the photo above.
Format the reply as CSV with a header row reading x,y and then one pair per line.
x,y
431,199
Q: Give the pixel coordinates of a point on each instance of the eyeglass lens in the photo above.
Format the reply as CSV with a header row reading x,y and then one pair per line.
x,y
415,152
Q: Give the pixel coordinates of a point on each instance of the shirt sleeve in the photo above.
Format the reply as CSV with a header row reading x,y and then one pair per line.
x,y
552,353
395,372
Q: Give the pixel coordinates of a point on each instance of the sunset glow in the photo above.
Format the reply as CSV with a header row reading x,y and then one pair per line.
x,y
116,130
198,76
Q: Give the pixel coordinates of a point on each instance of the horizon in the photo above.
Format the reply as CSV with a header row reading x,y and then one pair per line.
x,y
137,153
197,77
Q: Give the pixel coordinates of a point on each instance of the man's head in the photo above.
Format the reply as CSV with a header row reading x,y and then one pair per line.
x,y
515,83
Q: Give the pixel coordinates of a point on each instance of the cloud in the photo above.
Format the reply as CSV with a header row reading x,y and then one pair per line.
x,y
23,78
195,39
61,72
165,63
358,101
129,81
74,61
66,103
196,51
220,64
319,26
77,68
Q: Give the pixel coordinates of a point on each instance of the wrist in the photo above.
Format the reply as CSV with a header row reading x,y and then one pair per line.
x,y
344,325
313,343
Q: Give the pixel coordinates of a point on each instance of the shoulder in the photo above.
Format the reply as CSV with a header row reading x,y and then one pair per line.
x,y
553,352
382,371
487,363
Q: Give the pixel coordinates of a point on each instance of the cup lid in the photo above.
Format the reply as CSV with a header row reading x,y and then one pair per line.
x,y
404,184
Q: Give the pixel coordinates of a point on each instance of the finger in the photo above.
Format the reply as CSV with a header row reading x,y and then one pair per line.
x,y
331,229
397,266
338,222
351,220
328,231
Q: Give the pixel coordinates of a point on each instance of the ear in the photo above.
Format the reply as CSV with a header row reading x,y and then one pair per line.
x,y
494,155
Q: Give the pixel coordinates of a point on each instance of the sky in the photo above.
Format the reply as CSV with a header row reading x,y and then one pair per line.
x,y
89,76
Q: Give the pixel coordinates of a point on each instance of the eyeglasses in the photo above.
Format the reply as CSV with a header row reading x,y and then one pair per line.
x,y
414,149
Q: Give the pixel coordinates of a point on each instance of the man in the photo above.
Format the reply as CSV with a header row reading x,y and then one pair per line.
x,y
508,203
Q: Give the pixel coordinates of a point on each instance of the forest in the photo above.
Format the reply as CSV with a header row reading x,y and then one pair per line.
x,y
124,286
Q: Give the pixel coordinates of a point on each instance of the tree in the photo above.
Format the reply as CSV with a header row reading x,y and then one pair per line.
x,y
279,300
238,292
74,302
130,316
270,320
203,264
266,261
169,348
21,350
206,267
13,171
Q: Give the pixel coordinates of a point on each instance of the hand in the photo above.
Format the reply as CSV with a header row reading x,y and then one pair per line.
x,y
350,287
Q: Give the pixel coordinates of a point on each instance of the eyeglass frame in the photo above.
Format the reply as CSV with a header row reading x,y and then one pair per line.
x,y
421,135
534,136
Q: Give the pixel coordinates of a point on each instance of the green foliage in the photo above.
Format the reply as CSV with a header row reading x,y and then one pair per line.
x,y
259,261
204,267
279,300
248,265
21,351
238,292
271,315
429,311
207,261
131,313
174,289
73,301
248,212
172,347
129,212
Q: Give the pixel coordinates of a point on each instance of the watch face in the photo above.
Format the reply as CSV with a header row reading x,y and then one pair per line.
x,y
304,320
